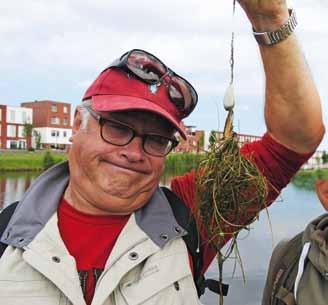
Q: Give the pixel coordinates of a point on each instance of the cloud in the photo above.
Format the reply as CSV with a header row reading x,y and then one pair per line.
x,y
51,49
69,30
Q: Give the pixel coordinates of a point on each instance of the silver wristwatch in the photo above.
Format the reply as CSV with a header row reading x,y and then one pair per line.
x,y
270,38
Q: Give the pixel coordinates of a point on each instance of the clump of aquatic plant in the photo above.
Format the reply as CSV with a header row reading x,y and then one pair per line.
x,y
230,192
230,188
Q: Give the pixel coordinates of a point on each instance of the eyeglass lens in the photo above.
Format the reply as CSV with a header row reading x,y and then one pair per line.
x,y
151,70
146,66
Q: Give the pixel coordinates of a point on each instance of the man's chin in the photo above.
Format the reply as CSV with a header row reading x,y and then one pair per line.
x,y
128,192
124,203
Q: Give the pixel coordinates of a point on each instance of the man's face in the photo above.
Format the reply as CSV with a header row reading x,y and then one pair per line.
x,y
115,179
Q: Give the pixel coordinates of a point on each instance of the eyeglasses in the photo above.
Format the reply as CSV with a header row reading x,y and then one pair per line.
x,y
119,134
153,71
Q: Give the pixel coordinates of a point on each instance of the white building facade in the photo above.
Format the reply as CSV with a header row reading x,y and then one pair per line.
x,y
16,118
52,137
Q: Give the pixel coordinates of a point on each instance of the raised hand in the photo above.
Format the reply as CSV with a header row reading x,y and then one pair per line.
x,y
265,15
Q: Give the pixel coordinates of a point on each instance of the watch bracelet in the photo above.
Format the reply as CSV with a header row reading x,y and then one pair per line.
x,y
274,37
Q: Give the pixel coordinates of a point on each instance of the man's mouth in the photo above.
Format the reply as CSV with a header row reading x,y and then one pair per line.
x,y
127,168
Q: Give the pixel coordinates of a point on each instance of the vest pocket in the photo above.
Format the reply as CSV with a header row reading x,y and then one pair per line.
x,y
161,282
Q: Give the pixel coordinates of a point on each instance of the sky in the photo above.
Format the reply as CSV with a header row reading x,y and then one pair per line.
x,y
55,49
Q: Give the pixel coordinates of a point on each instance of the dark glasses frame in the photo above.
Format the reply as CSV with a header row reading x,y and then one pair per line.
x,y
102,121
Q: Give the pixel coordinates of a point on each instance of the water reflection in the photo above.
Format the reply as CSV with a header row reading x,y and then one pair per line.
x,y
288,216
13,186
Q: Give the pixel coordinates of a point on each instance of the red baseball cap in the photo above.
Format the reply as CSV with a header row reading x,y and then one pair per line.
x,y
116,90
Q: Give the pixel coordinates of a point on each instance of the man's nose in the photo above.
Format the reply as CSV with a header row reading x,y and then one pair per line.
x,y
134,151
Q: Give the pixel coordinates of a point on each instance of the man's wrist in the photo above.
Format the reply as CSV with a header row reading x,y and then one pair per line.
x,y
269,24
278,34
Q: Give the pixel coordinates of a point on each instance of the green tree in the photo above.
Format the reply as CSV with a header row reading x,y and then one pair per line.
x,y
324,157
212,137
27,133
27,129
37,137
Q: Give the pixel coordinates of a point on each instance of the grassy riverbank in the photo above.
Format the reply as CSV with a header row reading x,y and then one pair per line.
x,y
307,178
177,163
29,161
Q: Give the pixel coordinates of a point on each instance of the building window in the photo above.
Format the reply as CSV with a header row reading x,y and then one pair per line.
x,y
11,131
12,116
21,145
55,133
64,134
54,108
65,109
24,117
65,121
13,145
55,120
21,131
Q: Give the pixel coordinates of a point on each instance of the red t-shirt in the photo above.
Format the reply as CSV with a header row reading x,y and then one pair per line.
x,y
90,238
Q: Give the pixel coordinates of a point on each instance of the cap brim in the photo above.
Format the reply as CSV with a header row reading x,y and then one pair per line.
x,y
121,103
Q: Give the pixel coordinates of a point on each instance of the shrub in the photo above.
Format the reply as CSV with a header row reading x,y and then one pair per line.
x,y
48,160
307,178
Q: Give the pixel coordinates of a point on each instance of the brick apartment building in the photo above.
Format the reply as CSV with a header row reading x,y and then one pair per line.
x,y
198,140
52,120
12,121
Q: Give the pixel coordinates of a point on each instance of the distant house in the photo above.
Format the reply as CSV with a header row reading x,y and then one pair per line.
x,y
52,121
194,142
198,140
12,121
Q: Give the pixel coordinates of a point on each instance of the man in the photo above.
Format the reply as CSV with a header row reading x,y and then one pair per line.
x,y
297,270
98,229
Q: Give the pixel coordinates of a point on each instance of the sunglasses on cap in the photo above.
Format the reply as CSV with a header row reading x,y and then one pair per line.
x,y
149,69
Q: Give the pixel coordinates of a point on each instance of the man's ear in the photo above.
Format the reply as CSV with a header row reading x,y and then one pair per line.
x,y
321,187
77,121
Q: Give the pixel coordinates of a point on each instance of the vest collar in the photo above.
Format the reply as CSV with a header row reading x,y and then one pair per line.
x,y
316,233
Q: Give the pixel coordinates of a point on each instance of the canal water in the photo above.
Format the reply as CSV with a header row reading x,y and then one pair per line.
x,y
288,215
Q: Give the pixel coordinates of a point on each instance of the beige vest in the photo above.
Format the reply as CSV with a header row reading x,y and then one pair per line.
x,y
137,272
